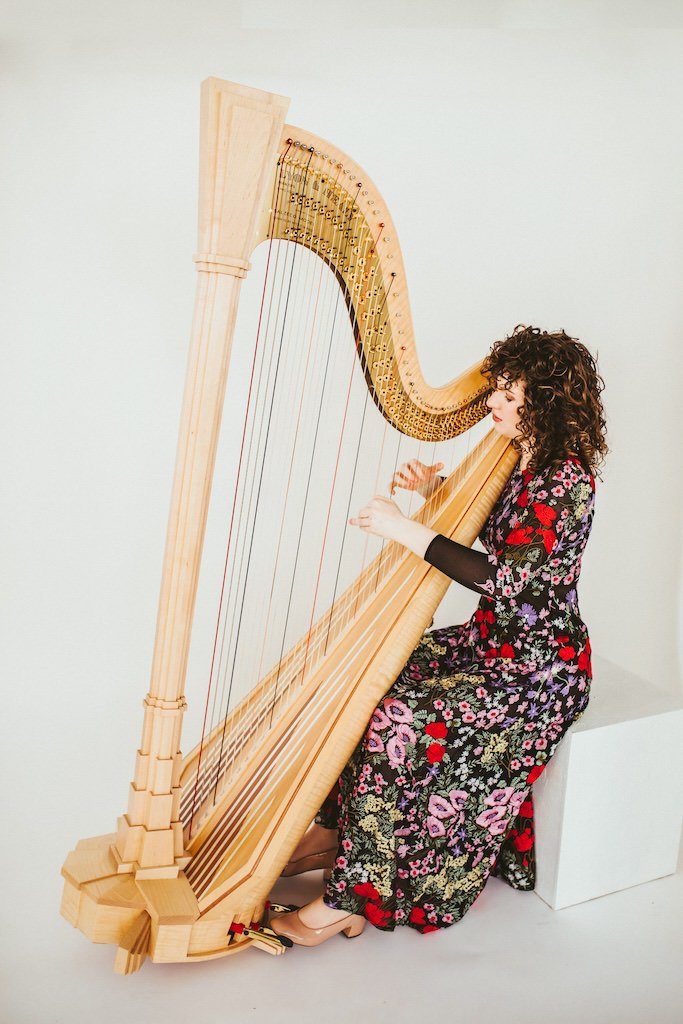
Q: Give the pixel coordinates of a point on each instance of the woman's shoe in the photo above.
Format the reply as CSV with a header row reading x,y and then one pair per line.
x,y
311,862
294,928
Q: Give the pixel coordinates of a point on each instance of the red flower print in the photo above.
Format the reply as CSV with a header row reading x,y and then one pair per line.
x,y
585,662
435,752
506,651
544,513
437,729
417,915
527,809
429,928
367,890
549,539
567,653
521,535
524,841
523,499
491,653
376,915
534,773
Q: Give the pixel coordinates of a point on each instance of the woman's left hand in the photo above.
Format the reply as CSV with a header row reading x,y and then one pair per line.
x,y
381,517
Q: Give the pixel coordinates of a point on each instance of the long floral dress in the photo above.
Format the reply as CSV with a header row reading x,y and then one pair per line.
x,y
437,794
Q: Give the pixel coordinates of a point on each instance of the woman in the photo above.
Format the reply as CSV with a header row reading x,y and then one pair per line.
x,y
437,794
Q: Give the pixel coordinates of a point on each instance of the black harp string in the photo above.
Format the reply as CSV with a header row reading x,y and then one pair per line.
x,y
260,485
273,212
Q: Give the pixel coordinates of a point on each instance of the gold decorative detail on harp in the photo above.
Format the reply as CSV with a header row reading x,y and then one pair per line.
x,y
188,873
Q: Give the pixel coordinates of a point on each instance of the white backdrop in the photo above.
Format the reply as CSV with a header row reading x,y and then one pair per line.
x,y
531,155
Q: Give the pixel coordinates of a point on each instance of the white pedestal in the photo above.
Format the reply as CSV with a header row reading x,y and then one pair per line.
x,y
609,806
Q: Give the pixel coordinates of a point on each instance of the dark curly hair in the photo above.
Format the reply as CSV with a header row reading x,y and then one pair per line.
x,y
562,412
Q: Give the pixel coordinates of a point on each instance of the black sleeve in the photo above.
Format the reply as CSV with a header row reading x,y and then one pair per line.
x,y
470,568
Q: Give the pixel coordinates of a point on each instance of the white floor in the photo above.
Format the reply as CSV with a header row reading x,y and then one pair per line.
x,y
615,959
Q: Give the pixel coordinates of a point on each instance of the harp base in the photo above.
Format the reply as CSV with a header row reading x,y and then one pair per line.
x,y
157,918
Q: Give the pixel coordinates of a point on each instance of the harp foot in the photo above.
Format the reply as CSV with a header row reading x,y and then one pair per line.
x,y
134,946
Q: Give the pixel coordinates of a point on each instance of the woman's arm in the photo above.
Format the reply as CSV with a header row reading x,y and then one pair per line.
x,y
533,536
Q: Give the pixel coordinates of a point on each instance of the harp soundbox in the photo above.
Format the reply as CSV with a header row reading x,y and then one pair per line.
x,y
188,873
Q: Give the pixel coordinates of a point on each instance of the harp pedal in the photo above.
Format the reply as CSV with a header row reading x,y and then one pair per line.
x,y
262,936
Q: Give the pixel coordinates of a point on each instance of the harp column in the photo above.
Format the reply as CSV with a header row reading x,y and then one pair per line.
x,y
240,132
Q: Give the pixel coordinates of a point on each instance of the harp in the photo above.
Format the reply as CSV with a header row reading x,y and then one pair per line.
x,y
188,873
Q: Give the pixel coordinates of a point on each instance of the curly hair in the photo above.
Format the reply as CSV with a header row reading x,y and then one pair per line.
x,y
562,413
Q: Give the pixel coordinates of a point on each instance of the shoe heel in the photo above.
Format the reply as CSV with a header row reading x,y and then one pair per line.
x,y
354,929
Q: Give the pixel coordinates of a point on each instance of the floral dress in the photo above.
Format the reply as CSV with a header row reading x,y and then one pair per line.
x,y
437,794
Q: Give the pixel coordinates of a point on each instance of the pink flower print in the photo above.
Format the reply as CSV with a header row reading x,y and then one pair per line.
x,y
541,744
479,855
463,705
379,720
373,743
402,849
516,801
495,820
458,797
469,716
347,845
435,827
447,714
396,752
341,862
405,733
480,691
438,704
499,796
397,710
440,807
448,918
341,886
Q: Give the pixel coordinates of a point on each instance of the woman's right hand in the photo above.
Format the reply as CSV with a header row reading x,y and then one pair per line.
x,y
415,476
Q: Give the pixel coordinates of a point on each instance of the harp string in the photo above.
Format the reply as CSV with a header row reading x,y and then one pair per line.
x,y
336,304
383,565
366,391
274,202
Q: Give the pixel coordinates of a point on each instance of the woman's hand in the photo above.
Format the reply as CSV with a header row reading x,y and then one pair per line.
x,y
381,517
416,476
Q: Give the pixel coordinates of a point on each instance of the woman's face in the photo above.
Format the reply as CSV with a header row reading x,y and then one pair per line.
x,y
504,403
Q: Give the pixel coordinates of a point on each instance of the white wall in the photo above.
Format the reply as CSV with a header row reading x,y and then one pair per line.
x,y
532,156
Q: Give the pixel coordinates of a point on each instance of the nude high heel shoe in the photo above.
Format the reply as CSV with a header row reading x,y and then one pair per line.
x,y
311,862
294,928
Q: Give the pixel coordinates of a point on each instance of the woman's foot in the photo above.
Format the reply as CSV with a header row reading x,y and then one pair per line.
x,y
317,849
316,922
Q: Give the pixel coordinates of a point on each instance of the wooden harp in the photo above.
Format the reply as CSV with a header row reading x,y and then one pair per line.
x,y
188,873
